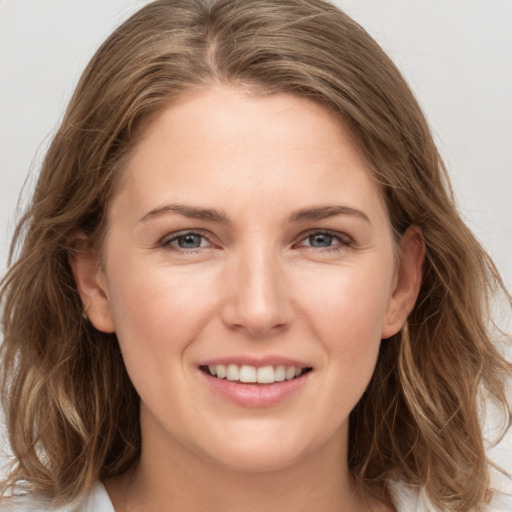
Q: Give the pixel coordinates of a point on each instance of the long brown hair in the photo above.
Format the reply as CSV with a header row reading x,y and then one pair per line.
x,y
72,413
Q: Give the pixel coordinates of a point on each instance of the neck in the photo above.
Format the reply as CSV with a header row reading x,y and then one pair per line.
x,y
177,479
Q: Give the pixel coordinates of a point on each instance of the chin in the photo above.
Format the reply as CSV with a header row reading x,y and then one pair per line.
x,y
260,453
257,461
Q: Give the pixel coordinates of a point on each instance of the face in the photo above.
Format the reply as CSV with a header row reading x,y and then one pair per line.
x,y
249,273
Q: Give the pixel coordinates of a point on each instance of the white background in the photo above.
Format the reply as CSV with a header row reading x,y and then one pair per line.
x,y
456,54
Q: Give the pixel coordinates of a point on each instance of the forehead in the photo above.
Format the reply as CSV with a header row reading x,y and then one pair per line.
x,y
223,140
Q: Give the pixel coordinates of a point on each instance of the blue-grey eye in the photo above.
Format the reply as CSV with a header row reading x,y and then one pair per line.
x,y
189,241
320,240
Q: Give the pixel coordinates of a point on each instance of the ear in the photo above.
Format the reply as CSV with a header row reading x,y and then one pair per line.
x,y
90,282
407,281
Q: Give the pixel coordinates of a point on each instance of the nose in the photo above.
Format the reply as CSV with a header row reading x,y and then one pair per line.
x,y
257,297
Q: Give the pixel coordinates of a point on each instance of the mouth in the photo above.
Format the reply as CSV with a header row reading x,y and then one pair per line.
x,y
247,374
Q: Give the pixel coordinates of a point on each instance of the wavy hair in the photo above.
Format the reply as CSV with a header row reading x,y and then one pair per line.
x,y
72,413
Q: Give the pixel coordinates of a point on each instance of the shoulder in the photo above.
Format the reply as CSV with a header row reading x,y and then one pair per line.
x,y
407,498
501,502
96,501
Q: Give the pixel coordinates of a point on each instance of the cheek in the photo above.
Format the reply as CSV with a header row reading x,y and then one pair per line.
x,y
158,315
347,311
158,309
347,304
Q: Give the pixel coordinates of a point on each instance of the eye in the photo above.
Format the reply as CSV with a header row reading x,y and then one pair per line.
x,y
320,240
186,241
325,240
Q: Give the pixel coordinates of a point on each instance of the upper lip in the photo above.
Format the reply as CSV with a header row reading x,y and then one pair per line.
x,y
257,361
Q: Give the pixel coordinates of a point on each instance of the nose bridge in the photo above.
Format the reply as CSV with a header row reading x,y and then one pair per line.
x,y
257,298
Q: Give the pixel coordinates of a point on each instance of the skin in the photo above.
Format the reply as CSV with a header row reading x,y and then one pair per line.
x,y
259,284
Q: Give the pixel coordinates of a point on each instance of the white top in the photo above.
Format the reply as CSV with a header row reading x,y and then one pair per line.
x,y
405,499
96,501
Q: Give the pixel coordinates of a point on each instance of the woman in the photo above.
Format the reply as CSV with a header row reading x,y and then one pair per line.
x,y
243,284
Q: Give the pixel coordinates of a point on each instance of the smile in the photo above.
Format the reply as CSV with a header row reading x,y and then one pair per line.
x,y
256,386
254,375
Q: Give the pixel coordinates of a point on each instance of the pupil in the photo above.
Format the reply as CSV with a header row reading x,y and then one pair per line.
x,y
189,241
320,240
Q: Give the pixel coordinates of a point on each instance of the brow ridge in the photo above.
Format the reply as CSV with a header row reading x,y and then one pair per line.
x,y
323,212
192,212
213,215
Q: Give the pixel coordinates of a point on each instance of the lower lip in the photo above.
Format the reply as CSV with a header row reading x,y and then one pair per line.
x,y
255,395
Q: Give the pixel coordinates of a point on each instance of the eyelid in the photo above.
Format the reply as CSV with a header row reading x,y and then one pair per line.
x,y
170,237
344,239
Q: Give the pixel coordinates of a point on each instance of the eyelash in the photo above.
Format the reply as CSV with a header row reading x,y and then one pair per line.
x,y
343,240
167,241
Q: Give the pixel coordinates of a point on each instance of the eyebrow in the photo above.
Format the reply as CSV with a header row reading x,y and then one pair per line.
x,y
212,215
188,211
323,212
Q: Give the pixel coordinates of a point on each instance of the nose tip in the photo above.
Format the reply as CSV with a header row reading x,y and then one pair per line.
x,y
257,320
257,301
256,327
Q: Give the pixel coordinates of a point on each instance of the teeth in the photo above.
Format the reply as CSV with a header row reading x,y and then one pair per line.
x,y
233,373
280,373
247,374
290,372
221,371
266,375
250,374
